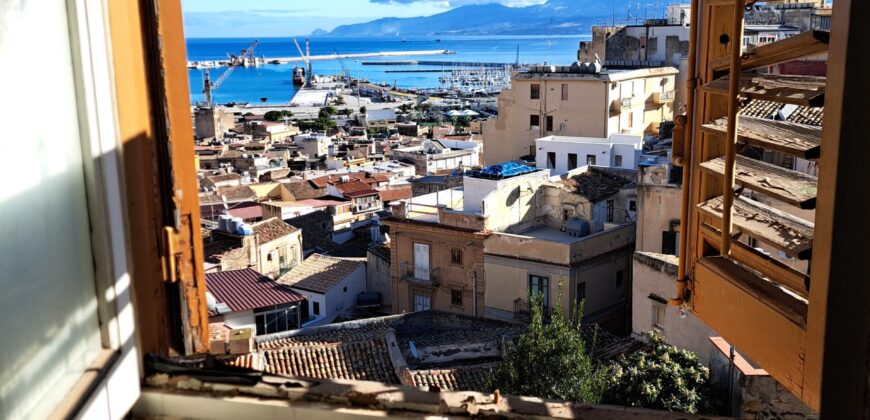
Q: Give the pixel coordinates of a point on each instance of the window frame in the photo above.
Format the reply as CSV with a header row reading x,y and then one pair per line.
x,y
543,283
118,361
453,295
572,161
454,252
611,207
535,91
564,91
549,123
590,160
617,161
534,122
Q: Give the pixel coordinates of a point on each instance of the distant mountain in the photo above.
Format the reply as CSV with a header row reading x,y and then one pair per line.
x,y
319,31
556,17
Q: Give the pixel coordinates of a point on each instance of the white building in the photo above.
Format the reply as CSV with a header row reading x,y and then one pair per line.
x,y
248,299
561,154
330,284
440,156
313,145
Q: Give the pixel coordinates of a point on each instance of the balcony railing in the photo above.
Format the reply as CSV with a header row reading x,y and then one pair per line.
x,y
420,276
523,313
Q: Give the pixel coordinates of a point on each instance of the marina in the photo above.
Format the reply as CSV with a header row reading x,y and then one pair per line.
x,y
285,60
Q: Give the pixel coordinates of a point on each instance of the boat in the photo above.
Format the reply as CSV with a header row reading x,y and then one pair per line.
x,y
298,76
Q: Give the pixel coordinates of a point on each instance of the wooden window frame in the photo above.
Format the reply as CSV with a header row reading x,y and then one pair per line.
x,y
535,91
454,252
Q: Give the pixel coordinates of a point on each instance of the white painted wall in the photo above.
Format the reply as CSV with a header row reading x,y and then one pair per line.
x,y
337,299
476,189
604,150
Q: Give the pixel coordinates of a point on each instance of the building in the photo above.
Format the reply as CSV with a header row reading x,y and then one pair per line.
x,y
572,243
330,285
214,182
432,183
273,248
659,196
247,299
440,156
380,119
212,122
562,101
273,132
561,154
378,273
315,146
651,43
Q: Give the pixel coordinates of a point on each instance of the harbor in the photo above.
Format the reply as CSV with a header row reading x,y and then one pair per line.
x,y
285,60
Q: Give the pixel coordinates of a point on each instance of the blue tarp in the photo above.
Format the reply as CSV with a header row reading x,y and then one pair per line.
x,y
503,170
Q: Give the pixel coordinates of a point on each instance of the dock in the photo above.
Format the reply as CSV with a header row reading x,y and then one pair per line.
x,y
436,63
285,60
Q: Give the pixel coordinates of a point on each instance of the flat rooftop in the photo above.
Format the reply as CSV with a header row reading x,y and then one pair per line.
x,y
425,207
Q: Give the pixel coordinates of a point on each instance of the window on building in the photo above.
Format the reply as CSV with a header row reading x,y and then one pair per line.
x,y
572,161
551,160
610,209
566,213
630,119
535,91
549,123
658,315
422,302
534,122
581,291
590,159
620,279
669,242
456,297
539,287
456,256
276,318
632,205
315,308
421,261
617,160
564,91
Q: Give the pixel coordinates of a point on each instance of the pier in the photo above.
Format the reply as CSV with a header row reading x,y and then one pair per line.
x,y
436,63
285,60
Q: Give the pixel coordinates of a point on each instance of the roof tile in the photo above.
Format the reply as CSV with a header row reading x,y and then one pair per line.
x,y
247,289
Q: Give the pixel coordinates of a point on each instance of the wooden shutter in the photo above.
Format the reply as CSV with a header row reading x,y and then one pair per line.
x,y
153,104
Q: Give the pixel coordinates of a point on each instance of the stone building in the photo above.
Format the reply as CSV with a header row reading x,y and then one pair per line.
x,y
273,249
561,101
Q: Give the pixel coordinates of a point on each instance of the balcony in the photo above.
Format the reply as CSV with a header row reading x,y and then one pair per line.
x,y
661,98
420,276
620,104
523,313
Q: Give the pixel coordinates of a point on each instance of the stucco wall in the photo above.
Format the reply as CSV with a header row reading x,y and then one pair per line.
x,y
658,206
656,275
378,277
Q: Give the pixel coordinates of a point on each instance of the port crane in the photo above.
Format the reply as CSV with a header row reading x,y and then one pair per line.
x,y
306,57
235,61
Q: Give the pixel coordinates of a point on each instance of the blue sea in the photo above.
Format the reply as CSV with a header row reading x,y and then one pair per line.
x,y
274,81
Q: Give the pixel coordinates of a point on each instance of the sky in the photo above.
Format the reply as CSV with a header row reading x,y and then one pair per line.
x,y
265,18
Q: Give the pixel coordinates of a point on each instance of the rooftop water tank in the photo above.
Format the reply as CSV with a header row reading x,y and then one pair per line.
x,y
223,222
233,224
245,229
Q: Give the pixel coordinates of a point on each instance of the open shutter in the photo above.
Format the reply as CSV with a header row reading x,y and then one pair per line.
x,y
154,123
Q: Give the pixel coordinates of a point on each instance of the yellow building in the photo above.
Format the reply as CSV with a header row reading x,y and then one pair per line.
x,y
558,100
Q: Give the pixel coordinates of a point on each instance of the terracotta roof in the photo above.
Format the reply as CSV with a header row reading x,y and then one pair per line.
x,y
394,194
333,334
216,245
247,289
272,229
304,189
360,360
464,378
316,230
766,109
353,187
231,154
247,360
222,178
319,273
596,184
233,194
370,178
361,193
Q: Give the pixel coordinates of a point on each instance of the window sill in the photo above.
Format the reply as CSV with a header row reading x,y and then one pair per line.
x,y
86,385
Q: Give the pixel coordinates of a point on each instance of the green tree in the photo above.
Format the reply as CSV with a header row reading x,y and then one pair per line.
x,y
462,122
550,360
277,115
661,377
